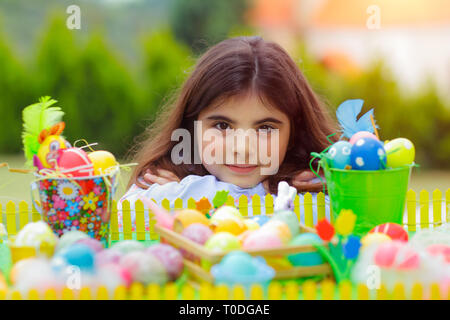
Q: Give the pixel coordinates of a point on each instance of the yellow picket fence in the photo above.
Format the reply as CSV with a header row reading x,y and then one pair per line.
x,y
18,215
309,290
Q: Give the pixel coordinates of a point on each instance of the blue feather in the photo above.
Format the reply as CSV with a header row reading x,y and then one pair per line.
x,y
347,115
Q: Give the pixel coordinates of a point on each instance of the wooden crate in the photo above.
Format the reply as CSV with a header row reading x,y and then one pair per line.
x,y
200,274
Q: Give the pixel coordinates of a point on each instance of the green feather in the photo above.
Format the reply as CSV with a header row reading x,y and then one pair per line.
x,y
37,117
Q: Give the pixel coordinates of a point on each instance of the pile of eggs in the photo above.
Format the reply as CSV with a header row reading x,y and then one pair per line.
x,y
227,231
364,151
80,261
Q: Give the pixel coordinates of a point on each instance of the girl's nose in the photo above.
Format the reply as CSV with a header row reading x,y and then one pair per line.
x,y
244,147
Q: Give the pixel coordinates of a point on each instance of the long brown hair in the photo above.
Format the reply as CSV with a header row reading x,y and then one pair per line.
x,y
231,68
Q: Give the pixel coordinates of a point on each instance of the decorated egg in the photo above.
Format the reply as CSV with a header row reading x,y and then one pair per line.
x,y
232,224
79,255
339,155
368,154
222,242
306,258
144,267
170,257
198,233
127,246
393,230
75,162
374,238
362,134
225,212
36,234
186,217
261,219
70,238
112,275
281,228
103,161
400,152
92,243
290,218
48,153
262,239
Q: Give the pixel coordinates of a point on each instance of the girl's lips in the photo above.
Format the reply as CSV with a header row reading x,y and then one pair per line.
x,y
241,168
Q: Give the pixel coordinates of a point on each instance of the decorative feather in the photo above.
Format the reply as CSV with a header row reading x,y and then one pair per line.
x,y
37,117
347,115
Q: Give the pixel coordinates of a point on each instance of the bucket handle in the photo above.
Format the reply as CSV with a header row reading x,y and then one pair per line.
x,y
34,186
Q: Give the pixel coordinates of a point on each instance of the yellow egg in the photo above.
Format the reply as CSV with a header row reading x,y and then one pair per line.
x,y
232,225
104,162
251,224
187,217
374,237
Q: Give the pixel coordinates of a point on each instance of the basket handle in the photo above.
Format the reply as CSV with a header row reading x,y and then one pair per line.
x,y
34,186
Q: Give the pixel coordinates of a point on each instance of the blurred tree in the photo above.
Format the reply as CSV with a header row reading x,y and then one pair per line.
x,y
200,23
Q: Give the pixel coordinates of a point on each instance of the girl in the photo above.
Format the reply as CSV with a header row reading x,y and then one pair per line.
x,y
240,85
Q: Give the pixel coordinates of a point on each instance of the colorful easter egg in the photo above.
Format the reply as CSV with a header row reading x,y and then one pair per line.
x,y
225,212
251,224
306,258
198,233
232,224
35,234
374,238
127,246
290,218
79,255
362,134
281,228
74,162
186,217
220,242
170,257
144,267
108,256
262,239
400,152
339,155
261,219
393,230
103,161
368,154
112,275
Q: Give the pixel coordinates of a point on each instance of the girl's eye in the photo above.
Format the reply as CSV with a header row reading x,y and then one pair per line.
x,y
265,128
222,126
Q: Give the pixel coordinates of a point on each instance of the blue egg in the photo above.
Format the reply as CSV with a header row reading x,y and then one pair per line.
x,y
79,255
306,258
339,154
368,154
261,219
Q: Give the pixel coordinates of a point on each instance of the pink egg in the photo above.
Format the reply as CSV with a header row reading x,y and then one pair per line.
x,y
407,259
362,134
92,243
75,162
170,257
112,275
440,250
262,239
197,233
385,254
108,256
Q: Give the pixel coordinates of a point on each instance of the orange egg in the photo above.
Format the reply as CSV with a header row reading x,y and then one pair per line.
x,y
187,217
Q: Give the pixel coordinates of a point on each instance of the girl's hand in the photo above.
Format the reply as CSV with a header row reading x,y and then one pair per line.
x,y
304,179
161,177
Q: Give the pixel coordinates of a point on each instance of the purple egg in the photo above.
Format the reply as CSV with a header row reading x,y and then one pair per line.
x,y
197,233
170,257
92,243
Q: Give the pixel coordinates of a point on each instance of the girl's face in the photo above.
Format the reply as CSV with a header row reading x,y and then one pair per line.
x,y
242,140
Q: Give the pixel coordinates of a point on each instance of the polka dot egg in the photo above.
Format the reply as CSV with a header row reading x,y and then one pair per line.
x,y
368,154
339,154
